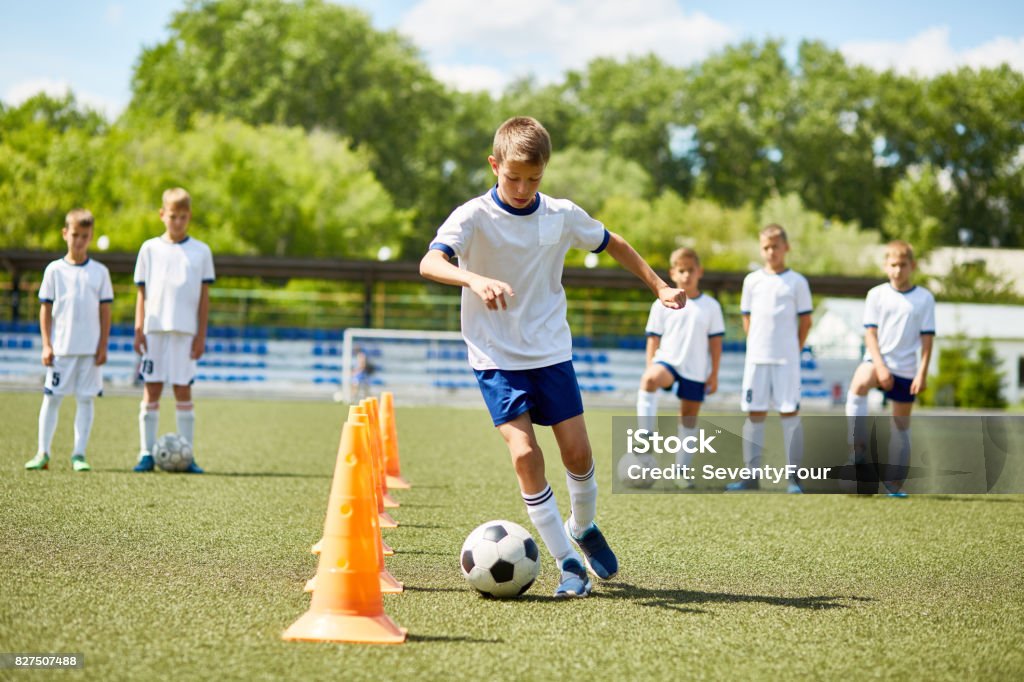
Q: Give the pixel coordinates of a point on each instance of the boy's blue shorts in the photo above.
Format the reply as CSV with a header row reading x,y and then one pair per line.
x,y
900,391
685,389
551,394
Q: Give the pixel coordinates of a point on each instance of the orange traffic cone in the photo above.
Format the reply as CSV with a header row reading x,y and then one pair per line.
x,y
373,410
389,438
359,414
347,605
388,583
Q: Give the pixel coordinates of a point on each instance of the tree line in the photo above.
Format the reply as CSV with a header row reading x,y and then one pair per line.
x,y
301,130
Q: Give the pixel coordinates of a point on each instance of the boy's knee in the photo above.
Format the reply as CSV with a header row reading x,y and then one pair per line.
x,y
577,457
649,381
527,458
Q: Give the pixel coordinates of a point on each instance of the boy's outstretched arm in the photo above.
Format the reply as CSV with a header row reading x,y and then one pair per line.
x,y
437,266
619,249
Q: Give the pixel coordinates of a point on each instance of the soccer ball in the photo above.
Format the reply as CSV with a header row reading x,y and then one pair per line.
x,y
172,452
500,559
630,459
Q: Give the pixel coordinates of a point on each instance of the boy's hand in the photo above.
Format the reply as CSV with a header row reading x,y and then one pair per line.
x,y
919,383
140,342
672,298
884,377
198,347
491,291
101,356
47,355
712,384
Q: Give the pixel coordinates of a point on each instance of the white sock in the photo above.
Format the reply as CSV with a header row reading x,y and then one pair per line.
x,y
83,424
647,409
582,500
149,421
793,439
856,432
185,419
684,458
48,414
753,443
543,511
899,455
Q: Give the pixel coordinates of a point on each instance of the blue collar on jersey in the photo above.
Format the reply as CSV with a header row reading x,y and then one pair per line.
x,y
187,237
912,287
76,265
512,209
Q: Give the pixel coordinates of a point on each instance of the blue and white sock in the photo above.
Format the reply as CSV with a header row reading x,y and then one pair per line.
x,y
582,500
149,421
647,409
49,412
543,512
83,424
753,443
185,419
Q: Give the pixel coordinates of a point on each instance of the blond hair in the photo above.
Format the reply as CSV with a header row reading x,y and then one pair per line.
x,y
676,259
898,247
524,139
79,217
177,197
773,230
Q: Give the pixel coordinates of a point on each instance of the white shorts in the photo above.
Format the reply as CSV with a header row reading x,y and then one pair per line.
x,y
76,374
168,359
765,386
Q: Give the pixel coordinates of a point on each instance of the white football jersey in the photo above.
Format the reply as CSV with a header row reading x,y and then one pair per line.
x,y
684,335
774,303
173,275
76,292
902,318
525,248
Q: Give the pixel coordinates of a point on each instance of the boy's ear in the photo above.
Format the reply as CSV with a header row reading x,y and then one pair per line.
x,y
494,164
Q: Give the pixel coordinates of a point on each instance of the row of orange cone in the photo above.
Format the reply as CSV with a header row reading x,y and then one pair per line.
x,y
347,603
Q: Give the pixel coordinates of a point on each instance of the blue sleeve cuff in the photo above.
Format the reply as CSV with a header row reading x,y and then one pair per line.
x,y
654,334
106,300
744,312
927,332
604,242
45,300
711,336
443,248
140,284
871,326
209,281
805,312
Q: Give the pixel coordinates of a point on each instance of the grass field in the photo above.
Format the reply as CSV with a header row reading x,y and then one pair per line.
x,y
178,577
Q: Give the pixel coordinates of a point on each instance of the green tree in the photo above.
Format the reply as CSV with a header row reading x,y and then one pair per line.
x,y
972,282
966,381
918,211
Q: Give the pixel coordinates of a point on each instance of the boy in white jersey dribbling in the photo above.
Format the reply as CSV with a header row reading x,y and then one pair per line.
x,y
899,321
776,308
173,273
74,322
511,244
684,349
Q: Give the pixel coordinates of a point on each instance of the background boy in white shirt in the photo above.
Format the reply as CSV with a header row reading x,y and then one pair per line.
x,y
74,322
899,321
173,273
776,307
684,349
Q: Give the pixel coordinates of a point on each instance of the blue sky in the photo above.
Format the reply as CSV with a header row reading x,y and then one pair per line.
x,y
91,46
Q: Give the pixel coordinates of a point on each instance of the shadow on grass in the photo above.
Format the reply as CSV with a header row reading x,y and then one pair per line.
x,y
976,497
214,474
687,601
444,638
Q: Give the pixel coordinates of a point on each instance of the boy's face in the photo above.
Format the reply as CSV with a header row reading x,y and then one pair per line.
x,y
899,268
773,251
175,219
686,274
77,238
518,181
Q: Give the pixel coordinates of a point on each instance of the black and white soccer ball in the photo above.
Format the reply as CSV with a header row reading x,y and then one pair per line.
x,y
633,470
172,452
500,559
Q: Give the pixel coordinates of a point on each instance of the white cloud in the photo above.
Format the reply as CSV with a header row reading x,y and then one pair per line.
x,y
545,38
929,53
23,90
471,78
114,13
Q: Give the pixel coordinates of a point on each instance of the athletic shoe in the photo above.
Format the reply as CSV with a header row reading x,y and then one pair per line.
x,y
193,468
39,462
78,463
145,464
575,582
741,486
596,553
794,487
898,493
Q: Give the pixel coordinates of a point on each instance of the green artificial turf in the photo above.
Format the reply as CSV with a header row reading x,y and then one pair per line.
x,y
163,576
